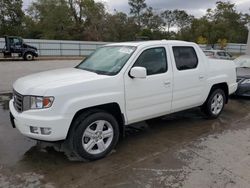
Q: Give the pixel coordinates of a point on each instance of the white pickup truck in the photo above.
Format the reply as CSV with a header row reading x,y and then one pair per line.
x,y
119,84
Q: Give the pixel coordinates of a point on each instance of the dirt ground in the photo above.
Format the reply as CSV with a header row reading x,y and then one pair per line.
x,y
179,150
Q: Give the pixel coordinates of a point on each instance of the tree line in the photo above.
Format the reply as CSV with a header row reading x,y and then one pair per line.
x,y
89,20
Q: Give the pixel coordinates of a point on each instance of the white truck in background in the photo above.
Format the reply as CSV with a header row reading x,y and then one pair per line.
x,y
119,84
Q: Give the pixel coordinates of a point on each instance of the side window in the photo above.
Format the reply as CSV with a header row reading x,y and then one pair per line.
x,y
11,40
154,60
221,54
207,53
185,57
17,41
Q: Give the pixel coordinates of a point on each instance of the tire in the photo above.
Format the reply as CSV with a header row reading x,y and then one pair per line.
x,y
94,135
28,56
214,104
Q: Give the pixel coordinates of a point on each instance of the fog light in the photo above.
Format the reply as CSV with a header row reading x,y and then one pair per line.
x,y
45,131
34,130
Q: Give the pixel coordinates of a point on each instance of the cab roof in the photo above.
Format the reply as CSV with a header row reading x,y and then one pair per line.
x,y
149,43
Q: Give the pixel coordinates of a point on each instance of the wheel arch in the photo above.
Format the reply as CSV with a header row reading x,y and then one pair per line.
x,y
223,86
112,108
28,51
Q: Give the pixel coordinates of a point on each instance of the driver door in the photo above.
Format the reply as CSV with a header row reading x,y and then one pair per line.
x,y
151,96
15,45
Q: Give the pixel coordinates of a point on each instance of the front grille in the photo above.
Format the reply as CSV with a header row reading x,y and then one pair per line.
x,y
18,101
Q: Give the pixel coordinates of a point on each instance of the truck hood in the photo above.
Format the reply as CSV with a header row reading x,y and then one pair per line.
x,y
39,83
29,46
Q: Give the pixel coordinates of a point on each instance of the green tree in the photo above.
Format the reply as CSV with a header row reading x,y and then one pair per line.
x,y
51,19
227,23
137,8
11,17
183,22
201,40
120,27
94,15
169,19
66,19
223,22
89,20
182,19
151,21
88,17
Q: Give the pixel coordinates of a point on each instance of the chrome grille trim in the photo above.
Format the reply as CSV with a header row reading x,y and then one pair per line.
x,y
18,101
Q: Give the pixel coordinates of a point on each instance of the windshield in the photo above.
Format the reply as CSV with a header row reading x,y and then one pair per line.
x,y
243,61
107,60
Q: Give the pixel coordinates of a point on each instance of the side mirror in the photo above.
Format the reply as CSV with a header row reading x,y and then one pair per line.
x,y
138,72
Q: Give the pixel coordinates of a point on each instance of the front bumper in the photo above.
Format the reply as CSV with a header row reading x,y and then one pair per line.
x,y
22,121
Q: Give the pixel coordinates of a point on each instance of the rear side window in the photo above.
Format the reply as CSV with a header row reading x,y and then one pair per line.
x,y
208,53
185,57
221,54
154,60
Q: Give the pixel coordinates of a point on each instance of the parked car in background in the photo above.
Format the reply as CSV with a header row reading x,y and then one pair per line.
x,y
243,75
119,84
218,54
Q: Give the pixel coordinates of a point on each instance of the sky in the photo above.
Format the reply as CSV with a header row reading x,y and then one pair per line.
x,y
195,7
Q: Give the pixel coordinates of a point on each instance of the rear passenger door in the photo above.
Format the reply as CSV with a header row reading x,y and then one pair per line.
x,y
189,77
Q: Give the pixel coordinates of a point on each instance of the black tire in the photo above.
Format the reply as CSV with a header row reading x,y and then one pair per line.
x,y
28,56
81,124
210,106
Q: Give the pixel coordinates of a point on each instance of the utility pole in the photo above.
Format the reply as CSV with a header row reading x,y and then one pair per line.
x,y
248,41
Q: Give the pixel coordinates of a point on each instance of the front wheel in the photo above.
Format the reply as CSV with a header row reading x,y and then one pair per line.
x,y
28,56
215,103
95,135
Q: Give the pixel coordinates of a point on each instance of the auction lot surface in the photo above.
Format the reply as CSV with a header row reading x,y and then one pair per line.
x,y
179,150
12,70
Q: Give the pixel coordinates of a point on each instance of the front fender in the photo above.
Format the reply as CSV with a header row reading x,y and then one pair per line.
x,y
72,106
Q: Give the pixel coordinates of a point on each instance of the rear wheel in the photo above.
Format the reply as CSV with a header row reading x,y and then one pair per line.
x,y
28,56
95,135
215,103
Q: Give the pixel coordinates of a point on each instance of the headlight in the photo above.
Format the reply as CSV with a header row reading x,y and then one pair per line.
x,y
37,102
246,81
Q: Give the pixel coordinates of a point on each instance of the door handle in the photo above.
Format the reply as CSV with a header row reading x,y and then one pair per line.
x,y
167,83
201,77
